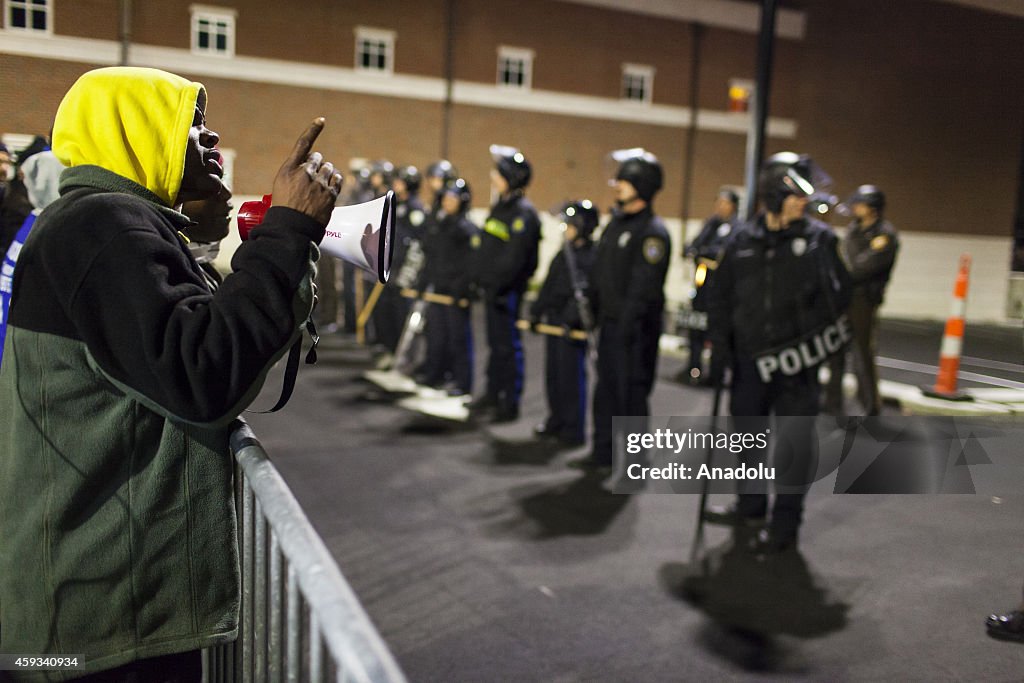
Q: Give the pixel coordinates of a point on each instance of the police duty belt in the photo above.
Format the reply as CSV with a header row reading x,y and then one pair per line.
x,y
434,298
806,352
552,330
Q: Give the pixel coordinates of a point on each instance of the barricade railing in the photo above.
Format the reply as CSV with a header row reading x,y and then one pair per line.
x,y
299,619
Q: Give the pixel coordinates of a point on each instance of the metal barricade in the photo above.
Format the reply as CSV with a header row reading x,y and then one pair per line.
x,y
299,619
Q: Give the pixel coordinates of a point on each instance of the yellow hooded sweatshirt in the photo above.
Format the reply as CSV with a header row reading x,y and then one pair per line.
x,y
131,121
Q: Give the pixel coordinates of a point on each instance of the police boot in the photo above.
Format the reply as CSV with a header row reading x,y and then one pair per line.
x,y
545,431
483,407
1009,626
774,540
732,515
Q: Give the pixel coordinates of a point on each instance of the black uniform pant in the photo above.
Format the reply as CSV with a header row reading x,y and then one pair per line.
x,y
505,359
627,357
348,296
863,317
449,348
565,375
389,317
794,457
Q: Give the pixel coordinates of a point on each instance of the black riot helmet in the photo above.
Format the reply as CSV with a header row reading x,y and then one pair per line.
x,y
728,194
460,188
512,166
442,168
640,169
870,195
582,214
362,175
385,168
788,173
410,175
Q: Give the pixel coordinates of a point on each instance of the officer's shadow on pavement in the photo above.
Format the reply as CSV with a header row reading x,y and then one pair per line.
x,y
504,452
579,507
752,600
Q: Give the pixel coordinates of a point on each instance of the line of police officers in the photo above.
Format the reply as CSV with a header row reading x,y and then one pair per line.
x,y
771,288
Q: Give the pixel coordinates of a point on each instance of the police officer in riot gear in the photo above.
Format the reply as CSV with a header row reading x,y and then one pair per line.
x,y
449,249
776,311
407,258
438,174
629,301
869,250
563,301
506,260
382,172
705,250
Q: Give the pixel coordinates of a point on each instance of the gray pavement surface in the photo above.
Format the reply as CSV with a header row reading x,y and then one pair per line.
x,y
482,557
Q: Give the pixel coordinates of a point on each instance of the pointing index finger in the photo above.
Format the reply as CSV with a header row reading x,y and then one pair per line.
x,y
305,143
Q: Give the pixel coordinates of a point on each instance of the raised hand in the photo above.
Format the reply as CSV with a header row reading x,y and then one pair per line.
x,y
305,182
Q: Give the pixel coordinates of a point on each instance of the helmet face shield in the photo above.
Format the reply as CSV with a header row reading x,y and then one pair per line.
x,y
786,173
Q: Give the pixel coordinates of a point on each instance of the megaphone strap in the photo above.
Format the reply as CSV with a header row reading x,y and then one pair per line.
x,y
291,370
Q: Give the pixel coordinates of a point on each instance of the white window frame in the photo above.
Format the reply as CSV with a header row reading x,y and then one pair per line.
x,y
29,7
385,38
213,16
645,72
524,56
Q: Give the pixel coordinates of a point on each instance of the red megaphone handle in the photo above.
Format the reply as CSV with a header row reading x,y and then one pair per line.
x,y
251,214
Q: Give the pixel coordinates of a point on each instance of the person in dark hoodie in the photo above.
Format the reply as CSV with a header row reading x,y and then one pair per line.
x,y
505,262
15,205
123,373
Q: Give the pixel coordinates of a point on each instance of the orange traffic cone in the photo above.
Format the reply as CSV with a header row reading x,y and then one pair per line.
x,y
953,339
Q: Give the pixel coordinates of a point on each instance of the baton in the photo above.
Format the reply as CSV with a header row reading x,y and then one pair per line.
x,y
698,538
552,330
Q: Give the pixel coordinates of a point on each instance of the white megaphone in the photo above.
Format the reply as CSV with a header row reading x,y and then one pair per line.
x,y
361,234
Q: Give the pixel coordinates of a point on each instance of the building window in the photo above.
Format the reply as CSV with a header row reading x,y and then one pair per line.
x,y
515,67
637,82
375,50
29,15
213,30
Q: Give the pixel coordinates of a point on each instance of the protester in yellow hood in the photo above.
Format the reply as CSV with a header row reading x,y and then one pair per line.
x,y
131,121
122,373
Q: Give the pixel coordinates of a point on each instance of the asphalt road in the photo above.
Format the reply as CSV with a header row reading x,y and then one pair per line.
x,y
482,557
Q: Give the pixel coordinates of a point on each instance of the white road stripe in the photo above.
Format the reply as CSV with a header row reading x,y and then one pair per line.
x,y
992,364
925,369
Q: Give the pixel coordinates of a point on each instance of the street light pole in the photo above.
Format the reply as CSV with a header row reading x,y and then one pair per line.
x,y
759,116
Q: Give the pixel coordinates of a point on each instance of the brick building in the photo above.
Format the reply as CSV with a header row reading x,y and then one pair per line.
x,y
922,97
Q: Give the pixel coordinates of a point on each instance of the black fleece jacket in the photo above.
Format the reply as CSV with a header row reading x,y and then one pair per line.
x,y
105,265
